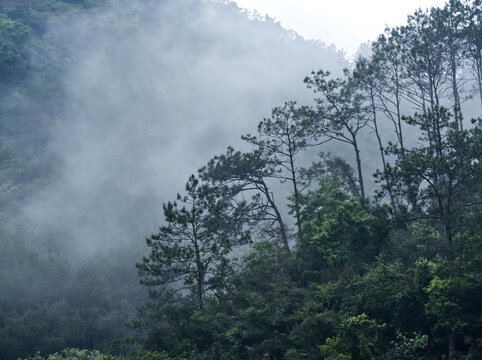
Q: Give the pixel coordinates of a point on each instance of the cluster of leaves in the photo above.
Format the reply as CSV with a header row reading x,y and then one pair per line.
x,y
82,354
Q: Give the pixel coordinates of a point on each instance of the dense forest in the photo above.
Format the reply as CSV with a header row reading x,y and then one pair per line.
x,y
346,225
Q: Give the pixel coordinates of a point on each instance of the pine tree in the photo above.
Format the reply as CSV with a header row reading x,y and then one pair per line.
x,y
190,253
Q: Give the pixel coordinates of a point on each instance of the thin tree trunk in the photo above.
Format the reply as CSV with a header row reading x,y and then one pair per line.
x,y
284,237
478,65
399,115
199,270
451,340
380,146
480,91
296,195
359,168
479,76
457,106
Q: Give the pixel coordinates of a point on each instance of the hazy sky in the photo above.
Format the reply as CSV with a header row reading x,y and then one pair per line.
x,y
345,23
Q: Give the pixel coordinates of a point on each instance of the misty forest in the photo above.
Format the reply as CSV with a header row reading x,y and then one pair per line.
x,y
186,180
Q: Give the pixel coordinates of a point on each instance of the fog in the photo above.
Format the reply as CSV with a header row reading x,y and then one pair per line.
x,y
155,89
107,107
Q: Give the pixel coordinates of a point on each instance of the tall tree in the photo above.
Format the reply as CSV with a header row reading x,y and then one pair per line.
x,y
424,62
387,57
341,113
447,172
473,37
190,252
249,173
366,74
281,139
448,23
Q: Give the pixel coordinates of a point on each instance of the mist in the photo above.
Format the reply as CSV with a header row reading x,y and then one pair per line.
x,y
154,89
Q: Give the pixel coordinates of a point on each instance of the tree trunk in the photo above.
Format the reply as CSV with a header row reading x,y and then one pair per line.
x,y
451,340
199,269
457,106
479,77
380,146
359,168
297,199
399,116
284,237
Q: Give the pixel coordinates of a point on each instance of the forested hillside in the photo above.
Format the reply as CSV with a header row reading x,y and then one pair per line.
x,y
44,301
346,225
105,108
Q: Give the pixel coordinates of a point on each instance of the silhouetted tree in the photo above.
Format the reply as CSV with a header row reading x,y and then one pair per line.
x,y
191,251
341,113
249,173
281,139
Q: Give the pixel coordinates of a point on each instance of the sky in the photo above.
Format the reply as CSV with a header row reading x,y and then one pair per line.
x,y
345,23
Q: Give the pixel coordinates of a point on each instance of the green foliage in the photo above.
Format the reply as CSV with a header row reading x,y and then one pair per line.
x,y
193,248
407,348
84,354
447,173
341,113
357,339
238,173
391,293
365,280
14,46
342,231
453,297
345,233
155,355
332,350
282,138
317,319
75,354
